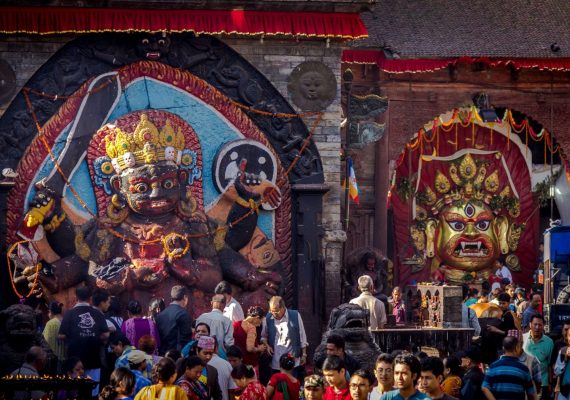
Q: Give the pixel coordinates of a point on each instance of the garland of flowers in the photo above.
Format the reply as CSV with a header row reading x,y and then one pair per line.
x,y
471,118
11,273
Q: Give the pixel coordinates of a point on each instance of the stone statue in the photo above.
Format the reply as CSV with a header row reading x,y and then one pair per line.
x,y
351,322
312,86
152,232
18,332
365,261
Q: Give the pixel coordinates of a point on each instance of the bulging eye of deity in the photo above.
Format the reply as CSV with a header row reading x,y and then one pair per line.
x,y
140,188
483,225
457,225
168,184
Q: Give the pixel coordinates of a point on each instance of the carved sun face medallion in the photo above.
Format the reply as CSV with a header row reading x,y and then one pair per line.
x,y
312,86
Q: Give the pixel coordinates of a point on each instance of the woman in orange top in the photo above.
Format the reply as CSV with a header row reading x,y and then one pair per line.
x,y
451,385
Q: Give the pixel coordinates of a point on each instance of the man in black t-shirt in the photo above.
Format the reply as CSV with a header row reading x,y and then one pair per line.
x,y
473,378
85,330
507,322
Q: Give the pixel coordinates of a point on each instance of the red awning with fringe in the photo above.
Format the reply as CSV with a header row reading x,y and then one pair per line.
x,y
52,20
428,65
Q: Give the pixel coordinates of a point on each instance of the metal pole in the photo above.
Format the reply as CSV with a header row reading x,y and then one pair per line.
x,y
347,77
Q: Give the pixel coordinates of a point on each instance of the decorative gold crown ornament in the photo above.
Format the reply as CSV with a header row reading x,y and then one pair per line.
x,y
145,145
469,181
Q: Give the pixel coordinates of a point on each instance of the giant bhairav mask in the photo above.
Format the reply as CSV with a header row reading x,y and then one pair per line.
x,y
463,218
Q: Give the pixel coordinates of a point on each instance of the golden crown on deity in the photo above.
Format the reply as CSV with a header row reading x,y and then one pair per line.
x,y
468,181
145,145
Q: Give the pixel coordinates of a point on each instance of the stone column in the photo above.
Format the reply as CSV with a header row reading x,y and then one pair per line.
x,y
333,242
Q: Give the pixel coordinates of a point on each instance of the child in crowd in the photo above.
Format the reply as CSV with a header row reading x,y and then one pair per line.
x,y
251,389
334,373
284,381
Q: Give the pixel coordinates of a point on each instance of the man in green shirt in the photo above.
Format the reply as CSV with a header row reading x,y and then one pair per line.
x,y
537,344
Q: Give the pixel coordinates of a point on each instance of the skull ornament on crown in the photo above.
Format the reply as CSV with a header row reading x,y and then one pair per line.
x,y
466,220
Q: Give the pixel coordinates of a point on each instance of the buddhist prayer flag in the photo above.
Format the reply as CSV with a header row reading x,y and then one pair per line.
x,y
352,185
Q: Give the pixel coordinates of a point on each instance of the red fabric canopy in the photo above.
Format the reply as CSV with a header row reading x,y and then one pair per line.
x,y
49,20
428,65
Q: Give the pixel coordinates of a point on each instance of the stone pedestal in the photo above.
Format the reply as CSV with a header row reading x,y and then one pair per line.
x,y
440,306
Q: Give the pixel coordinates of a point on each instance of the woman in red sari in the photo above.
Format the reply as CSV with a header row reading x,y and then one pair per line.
x,y
244,377
245,336
284,381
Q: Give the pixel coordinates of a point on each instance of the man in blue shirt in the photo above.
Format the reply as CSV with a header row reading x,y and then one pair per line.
x,y
137,364
508,378
530,311
406,374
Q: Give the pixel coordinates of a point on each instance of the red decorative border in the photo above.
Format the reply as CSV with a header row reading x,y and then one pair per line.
x,y
50,20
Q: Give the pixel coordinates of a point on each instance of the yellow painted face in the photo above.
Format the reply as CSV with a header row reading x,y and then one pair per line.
x,y
468,237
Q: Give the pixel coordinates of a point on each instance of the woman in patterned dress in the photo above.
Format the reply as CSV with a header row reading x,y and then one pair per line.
x,y
189,381
244,377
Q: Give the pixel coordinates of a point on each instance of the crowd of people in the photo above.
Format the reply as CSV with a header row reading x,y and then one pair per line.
x,y
227,354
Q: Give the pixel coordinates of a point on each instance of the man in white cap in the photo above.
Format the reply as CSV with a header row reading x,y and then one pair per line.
x,y
137,364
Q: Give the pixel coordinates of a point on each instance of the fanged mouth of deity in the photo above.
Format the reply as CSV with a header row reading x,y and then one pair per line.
x,y
154,204
153,55
471,249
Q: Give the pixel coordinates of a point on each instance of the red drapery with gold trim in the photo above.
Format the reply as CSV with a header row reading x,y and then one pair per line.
x,y
50,20
429,65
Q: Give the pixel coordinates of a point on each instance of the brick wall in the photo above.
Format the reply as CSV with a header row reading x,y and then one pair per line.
x,y
276,60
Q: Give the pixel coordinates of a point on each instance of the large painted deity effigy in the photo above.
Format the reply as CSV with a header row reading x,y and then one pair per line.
x,y
462,199
157,171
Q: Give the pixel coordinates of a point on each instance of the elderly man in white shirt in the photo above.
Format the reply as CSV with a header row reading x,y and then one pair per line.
x,y
367,301
284,333
233,309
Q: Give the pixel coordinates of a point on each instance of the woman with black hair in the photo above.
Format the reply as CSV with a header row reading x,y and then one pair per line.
x,y
452,372
51,331
121,386
164,373
245,335
190,380
155,307
244,377
137,326
283,385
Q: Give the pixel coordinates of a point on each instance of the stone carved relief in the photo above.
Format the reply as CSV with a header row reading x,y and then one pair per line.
x,y
312,86
204,56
